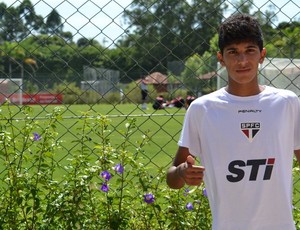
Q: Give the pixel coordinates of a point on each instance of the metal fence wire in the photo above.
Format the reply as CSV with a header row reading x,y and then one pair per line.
x,y
96,54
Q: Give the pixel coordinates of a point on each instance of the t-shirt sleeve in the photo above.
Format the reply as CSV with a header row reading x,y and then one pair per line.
x,y
190,133
297,124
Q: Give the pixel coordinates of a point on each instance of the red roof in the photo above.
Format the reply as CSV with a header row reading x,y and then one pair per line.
x,y
156,78
207,76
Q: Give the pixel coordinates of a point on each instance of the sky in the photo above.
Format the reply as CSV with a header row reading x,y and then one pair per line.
x,y
103,19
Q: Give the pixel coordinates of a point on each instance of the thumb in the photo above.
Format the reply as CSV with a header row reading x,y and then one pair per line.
x,y
190,160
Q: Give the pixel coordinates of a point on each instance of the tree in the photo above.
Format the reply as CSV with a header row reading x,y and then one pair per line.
x,y
53,23
194,66
18,22
285,42
31,20
83,42
242,6
12,29
170,30
54,57
13,59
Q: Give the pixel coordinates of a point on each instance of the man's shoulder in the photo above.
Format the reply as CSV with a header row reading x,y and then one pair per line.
x,y
208,100
212,96
284,93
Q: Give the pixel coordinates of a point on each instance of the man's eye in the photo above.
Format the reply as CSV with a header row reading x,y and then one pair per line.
x,y
251,50
232,52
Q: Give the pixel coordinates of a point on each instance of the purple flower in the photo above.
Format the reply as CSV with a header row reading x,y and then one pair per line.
x,y
119,168
104,187
105,175
36,136
204,192
186,192
189,206
149,198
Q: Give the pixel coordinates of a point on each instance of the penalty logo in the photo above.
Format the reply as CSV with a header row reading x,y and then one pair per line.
x,y
250,129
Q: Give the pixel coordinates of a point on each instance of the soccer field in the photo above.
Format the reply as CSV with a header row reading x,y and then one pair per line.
x,y
163,126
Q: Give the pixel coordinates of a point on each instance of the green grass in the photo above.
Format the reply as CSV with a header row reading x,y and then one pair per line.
x,y
164,127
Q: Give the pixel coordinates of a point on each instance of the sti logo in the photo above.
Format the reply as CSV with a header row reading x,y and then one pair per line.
x,y
250,129
239,168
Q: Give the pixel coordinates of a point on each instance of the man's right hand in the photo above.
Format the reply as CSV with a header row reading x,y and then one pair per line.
x,y
190,173
184,170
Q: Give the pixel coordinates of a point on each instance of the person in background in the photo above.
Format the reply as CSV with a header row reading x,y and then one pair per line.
x,y
189,100
159,102
144,92
245,135
178,102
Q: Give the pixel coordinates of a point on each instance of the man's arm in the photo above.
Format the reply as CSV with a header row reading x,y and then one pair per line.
x,y
184,171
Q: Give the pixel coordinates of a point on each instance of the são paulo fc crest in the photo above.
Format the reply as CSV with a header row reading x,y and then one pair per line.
x,y
250,129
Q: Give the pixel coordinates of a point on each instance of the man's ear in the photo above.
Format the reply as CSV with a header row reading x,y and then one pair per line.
x,y
263,54
220,58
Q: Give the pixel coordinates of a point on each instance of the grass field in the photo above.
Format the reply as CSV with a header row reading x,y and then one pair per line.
x,y
164,127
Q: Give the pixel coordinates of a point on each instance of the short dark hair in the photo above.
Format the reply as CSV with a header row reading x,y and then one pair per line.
x,y
238,28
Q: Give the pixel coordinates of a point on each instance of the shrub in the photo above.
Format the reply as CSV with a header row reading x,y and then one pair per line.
x,y
101,187
72,94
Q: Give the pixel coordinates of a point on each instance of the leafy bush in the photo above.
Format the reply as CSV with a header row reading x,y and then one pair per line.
x,y
112,98
99,187
72,94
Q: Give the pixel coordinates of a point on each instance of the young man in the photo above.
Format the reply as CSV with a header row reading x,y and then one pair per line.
x,y
245,135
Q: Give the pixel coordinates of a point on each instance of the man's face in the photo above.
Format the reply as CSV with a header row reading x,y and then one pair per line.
x,y
241,61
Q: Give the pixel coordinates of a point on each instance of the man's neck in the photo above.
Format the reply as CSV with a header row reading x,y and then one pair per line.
x,y
245,90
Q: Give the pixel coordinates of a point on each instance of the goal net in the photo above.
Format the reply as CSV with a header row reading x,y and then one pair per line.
x,y
281,73
11,90
100,80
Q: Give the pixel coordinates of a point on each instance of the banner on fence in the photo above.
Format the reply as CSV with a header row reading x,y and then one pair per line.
x,y
33,99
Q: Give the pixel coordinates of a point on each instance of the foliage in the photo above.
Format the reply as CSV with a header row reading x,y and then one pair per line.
x,y
102,186
160,32
30,88
72,94
285,42
27,154
18,22
193,70
296,211
170,30
53,23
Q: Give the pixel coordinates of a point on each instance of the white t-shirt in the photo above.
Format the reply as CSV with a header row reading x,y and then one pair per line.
x,y
246,145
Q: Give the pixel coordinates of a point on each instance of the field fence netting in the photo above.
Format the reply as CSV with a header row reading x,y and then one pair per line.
x,y
99,55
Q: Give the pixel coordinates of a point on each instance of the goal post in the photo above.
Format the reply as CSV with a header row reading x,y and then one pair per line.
x,y
11,90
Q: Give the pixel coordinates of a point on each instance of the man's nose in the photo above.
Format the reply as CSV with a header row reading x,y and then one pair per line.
x,y
242,58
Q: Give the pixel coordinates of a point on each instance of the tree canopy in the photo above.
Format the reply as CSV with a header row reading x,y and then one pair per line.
x,y
171,30
160,32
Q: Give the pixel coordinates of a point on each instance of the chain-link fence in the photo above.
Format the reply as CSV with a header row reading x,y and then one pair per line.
x,y
96,55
